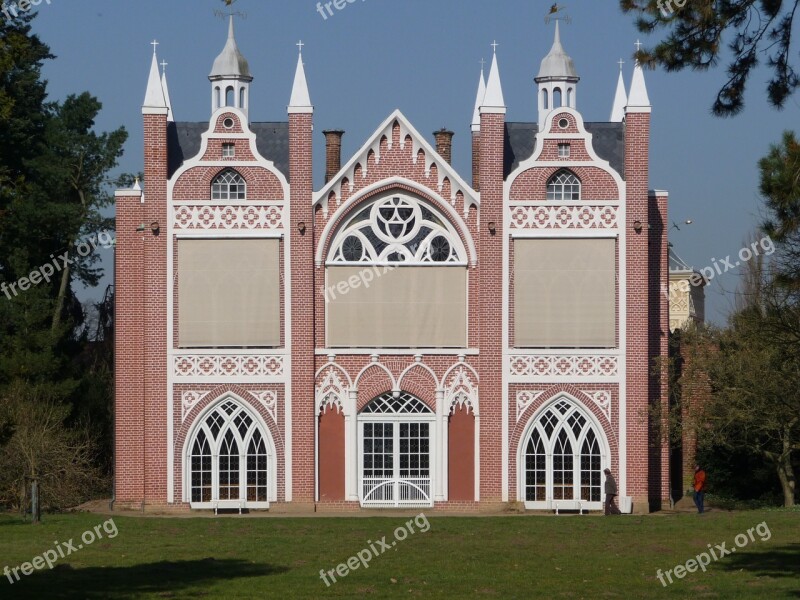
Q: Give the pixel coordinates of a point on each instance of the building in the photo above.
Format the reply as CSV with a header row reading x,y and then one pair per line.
x,y
401,336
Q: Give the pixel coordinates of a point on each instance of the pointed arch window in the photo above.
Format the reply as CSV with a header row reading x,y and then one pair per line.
x,y
564,185
229,185
563,459
228,459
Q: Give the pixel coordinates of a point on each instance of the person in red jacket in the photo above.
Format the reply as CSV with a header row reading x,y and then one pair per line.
x,y
699,488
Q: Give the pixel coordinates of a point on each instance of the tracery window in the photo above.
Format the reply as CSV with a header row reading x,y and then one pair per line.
x,y
397,229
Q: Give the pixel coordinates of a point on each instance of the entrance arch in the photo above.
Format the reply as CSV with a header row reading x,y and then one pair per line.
x,y
396,438
561,458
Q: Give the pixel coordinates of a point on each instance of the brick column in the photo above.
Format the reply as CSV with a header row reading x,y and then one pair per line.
x,y
129,350
302,305
155,307
637,139
490,277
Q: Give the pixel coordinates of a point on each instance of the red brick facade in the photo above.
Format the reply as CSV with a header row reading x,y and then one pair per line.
x,y
479,402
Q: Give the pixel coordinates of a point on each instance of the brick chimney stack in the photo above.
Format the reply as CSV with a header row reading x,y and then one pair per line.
x,y
333,152
444,144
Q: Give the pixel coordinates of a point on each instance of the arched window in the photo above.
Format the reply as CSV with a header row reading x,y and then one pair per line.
x,y
242,96
564,185
557,98
228,185
544,99
563,459
217,97
230,96
569,97
399,229
396,436
228,460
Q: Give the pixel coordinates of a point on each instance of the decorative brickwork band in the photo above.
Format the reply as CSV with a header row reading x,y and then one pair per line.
x,y
219,366
228,217
564,217
555,365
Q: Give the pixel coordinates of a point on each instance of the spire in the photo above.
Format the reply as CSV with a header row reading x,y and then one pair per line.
x,y
231,63
494,90
557,63
300,101
154,97
165,89
620,99
638,95
476,115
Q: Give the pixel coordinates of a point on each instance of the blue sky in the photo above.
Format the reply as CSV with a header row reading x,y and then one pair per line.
x,y
423,57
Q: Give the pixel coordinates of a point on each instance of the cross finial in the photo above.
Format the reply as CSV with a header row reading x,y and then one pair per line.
x,y
638,45
620,63
300,45
164,66
494,46
154,44
483,64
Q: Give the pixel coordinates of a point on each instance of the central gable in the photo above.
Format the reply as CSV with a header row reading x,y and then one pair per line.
x,y
396,149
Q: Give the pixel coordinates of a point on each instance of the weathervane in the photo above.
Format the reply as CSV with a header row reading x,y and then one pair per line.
x,y
230,13
558,13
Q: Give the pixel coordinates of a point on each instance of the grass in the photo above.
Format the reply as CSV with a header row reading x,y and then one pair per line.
x,y
467,557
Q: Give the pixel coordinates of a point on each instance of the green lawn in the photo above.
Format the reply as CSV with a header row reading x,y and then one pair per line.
x,y
467,557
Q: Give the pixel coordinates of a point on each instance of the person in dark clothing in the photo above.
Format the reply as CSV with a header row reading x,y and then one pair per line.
x,y
611,491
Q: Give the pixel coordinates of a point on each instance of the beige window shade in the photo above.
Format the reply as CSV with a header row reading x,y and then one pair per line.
x,y
564,293
228,293
407,307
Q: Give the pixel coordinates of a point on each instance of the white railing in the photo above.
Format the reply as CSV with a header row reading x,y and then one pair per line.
x,y
390,492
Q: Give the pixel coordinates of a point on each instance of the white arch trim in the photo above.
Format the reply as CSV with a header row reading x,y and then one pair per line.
x,y
272,460
418,364
602,438
381,366
444,207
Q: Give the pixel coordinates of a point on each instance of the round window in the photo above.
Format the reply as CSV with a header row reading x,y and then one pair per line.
x,y
228,123
563,123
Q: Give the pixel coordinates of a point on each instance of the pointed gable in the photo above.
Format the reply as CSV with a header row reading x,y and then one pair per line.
x,y
438,175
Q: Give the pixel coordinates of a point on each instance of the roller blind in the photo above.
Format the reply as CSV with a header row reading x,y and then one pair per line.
x,y
407,307
564,293
228,293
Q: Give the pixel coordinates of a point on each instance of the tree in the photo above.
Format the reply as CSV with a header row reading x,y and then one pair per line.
x,y
696,29
754,404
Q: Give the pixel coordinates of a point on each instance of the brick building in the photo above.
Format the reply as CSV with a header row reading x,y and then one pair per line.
x,y
401,336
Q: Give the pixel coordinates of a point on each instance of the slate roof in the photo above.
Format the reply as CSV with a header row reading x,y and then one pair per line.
x,y
608,141
184,140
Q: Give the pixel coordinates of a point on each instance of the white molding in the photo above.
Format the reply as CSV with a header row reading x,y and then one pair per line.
x,y
564,368
228,367
397,351
563,218
219,218
524,399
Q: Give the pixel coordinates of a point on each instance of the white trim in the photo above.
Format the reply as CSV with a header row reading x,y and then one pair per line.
x,y
397,351
564,234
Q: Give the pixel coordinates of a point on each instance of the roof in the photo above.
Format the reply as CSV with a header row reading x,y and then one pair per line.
x,y
231,62
184,140
677,264
557,64
608,140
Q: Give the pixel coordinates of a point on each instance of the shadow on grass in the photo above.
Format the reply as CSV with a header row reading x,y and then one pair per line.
x,y
163,578
780,562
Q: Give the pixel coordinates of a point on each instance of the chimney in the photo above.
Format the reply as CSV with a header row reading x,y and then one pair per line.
x,y
333,153
444,144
